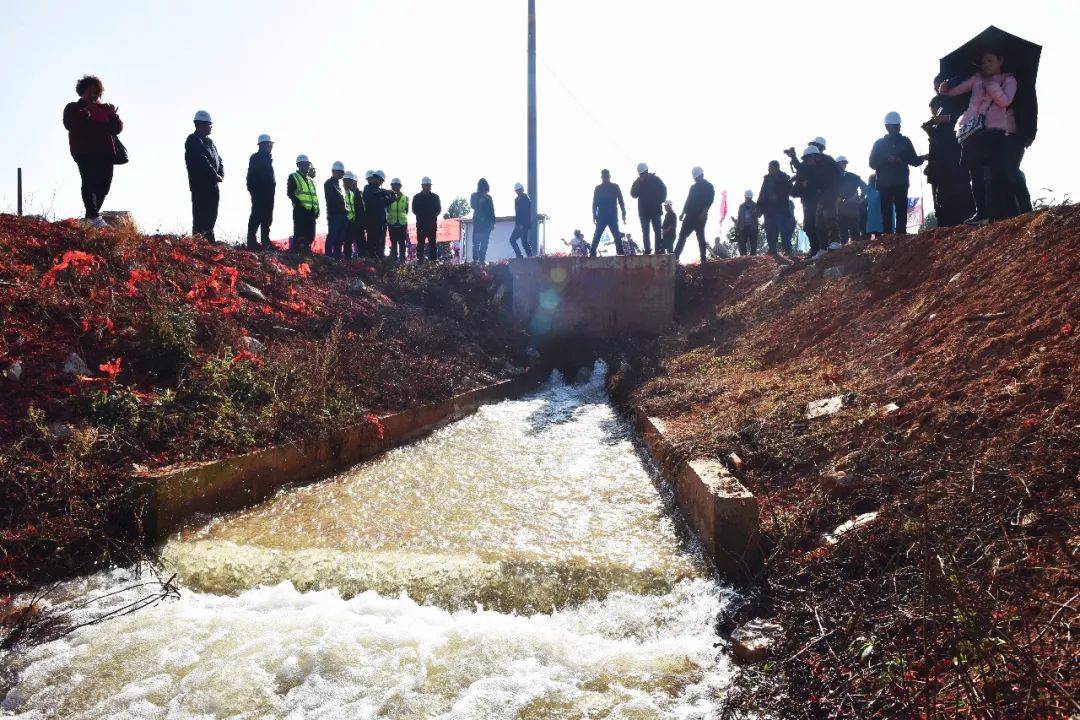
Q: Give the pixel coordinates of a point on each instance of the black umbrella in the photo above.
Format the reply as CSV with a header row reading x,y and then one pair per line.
x,y
1021,59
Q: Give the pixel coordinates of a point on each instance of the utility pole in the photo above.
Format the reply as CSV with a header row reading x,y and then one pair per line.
x,y
534,235
18,184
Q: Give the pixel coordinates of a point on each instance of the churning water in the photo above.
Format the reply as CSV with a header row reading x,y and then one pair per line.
x,y
517,564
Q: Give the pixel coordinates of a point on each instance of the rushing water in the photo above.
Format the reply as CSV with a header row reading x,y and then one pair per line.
x,y
517,564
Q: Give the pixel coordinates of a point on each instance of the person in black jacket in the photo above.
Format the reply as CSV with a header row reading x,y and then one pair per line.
x,y
851,198
205,172
651,193
696,213
666,243
261,185
522,222
337,220
890,158
816,184
945,170
773,202
354,213
426,206
376,201
483,220
607,201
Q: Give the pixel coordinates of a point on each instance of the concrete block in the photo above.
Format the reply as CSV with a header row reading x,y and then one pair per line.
x,y
593,299
750,643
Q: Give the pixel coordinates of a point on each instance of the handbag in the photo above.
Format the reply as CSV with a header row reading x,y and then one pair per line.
x,y
971,128
120,153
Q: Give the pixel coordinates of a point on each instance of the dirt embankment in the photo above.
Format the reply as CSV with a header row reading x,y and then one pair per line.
x,y
955,353
187,351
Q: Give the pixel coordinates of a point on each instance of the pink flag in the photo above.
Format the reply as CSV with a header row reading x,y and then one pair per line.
x,y
723,207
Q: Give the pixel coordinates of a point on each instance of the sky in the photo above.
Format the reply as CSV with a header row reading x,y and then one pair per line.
x,y
435,87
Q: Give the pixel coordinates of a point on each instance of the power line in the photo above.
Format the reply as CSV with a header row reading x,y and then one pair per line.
x,y
583,108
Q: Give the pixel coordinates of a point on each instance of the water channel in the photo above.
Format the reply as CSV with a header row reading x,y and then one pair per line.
x,y
520,563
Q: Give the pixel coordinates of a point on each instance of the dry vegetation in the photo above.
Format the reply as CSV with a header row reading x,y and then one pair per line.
x,y
961,598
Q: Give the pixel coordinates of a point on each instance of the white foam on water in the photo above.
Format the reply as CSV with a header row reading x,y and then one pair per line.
x,y
358,597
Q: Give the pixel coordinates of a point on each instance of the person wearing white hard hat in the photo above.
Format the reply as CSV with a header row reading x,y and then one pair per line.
x,y
376,201
890,158
337,220
205,172
354,205
262,186
92,128
427,207
300,189
651,192
851,204
695,213
746,225
816,184
522,222
397,221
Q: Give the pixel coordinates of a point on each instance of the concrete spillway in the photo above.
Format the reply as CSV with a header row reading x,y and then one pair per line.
x,y
519,563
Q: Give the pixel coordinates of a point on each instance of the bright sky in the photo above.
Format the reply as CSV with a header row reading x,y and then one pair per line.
x,y
434,87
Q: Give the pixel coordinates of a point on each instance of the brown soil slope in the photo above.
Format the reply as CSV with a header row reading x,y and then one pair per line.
x,y
959,598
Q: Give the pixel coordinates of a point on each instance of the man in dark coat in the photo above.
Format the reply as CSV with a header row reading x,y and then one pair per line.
x,y
773,202
890,158
746,225
696,213
376,201
205,172
262,185
651,193
666,243
426,206
337,213
815,184
945,171
851,194
522,222
607,201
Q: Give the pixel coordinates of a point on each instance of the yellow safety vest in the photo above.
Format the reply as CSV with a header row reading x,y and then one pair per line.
x,y
305,191
350,207
398,212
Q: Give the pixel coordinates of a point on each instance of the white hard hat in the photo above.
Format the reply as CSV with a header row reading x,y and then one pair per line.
x,y
818,141
841,159
349,175
370,174
811,150
642,168
518,186
892,118
301,159
338,165
264,138
380,174
667,203
425,180
748,194
697,172
395,181
202,116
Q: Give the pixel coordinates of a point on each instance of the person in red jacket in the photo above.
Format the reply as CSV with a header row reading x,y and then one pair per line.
x,y
92,128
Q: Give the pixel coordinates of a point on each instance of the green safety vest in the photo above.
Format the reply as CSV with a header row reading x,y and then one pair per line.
x,y
305,191
398,212
350,208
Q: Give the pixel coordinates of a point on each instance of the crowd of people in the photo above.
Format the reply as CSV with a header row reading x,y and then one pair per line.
x,y
973,168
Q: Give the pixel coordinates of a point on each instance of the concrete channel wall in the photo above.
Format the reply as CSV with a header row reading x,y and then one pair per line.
x,y
175,496
720,511
572,299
